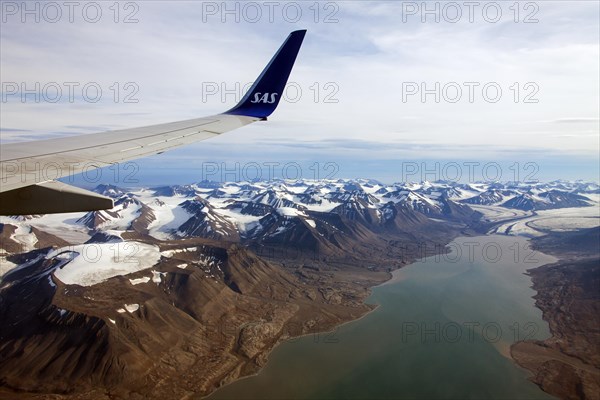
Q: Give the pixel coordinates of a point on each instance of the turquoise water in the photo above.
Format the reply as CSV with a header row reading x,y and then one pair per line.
x,y
442,331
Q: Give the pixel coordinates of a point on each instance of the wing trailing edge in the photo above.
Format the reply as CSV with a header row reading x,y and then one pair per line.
x,y
51,197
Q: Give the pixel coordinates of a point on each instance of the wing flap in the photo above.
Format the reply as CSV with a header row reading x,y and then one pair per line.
x,y
51,197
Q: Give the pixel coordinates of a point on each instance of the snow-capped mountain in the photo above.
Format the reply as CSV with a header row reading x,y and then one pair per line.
x,y
320,213
546,200
535,196
490,197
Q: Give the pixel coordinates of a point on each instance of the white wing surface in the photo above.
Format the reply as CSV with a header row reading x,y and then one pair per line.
x,y
28,170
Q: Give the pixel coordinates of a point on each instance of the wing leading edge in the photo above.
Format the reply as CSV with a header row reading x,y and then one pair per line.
x,y
29,169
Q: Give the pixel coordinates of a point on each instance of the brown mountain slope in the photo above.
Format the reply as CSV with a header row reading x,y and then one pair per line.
x,y
568,364
200,326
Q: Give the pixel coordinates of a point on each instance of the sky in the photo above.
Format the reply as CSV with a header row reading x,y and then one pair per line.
x,y
395,91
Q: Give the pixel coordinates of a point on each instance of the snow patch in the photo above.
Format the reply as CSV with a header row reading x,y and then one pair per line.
x,y
145,279
97,262
156,276
290,212
5,265
24,236
171,253
132,307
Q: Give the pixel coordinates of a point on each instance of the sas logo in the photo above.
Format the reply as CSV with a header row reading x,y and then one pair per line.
x,y
266,98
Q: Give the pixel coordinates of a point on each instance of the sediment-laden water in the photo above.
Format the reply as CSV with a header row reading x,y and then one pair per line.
x,y
443,329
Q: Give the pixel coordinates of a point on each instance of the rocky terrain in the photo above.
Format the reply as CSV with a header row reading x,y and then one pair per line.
x,y
567,365
180,289
204,315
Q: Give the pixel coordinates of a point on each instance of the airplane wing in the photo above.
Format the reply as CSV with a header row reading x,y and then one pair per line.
x,y
29,170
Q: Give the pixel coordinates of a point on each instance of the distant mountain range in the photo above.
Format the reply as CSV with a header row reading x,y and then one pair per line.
x,y
255,209
536,197
314,214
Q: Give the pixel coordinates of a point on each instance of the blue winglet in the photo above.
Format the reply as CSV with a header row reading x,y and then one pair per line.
x,y
264,95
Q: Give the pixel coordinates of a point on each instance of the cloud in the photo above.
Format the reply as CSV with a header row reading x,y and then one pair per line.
x,y
576,121
368,55
13,130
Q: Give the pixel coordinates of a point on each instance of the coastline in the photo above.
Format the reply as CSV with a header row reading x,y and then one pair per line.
x,y
242,369
284,341
393,278
230,379
294,338
567,364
